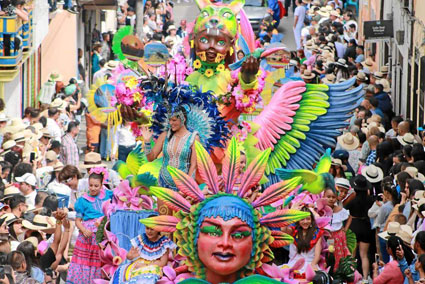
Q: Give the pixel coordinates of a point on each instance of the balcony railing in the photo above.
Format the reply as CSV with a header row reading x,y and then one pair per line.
x,y
15,39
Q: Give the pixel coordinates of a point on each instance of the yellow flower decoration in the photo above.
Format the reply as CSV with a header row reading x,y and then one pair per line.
x,y
245,99
220,67
197,64
209,73
137,97
131,83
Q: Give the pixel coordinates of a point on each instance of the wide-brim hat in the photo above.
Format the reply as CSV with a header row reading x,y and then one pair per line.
x,y
334,13
96,45
348,141
360,183
11,191
329,79
7,146
55,77
366,127
419,194
22,136
46,133
368,62
10,218
385,84
16,125
373,173
40,223
415,174
59,104
406,139
92,160
171,27
342,62
342,182
112,64
338,162
361,76
58,166
384,70
378,75
308,75
392,230
420,206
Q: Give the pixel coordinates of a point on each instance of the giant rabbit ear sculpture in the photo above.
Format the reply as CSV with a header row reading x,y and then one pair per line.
x,y
225,215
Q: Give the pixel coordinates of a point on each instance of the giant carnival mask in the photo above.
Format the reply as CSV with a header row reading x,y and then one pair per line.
x,y
223,236
215,29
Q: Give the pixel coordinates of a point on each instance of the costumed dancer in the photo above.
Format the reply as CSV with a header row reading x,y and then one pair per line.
x,y
176,145
223,237
85,264
149,254
307,243
337,227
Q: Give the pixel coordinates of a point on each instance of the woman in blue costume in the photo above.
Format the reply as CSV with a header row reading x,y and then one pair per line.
x,y
177,146
149,253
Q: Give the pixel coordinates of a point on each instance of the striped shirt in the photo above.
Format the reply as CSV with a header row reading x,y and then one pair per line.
x,y
69,151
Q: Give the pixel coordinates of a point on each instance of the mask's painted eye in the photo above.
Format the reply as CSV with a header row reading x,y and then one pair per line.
x,y
221,43
205,14
203,40
227,15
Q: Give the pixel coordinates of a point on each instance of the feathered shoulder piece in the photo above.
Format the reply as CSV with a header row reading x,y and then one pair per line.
x,y
227,205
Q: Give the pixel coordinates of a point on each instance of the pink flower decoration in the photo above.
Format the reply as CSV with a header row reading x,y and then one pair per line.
x,y
112,256
283,274
171,277
129,198
100,171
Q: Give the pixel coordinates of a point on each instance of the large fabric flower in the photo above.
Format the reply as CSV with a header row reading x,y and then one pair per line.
x,y
283,274
171,277
112,256
129,198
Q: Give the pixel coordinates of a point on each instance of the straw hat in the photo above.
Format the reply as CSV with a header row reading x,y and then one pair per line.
x,y
308,75
342,62
373,173
329,79
385,84
323,12
7,146
418,195
366,127
10,218
46,133
334,13
51,156
361,76
368,62
59,104
342,182
420,206
392,229
111,64
40,223
37,126
414,173
309,44
348,141
406,139
16,125
22,136
10,192
338,162
406,234
384,69
32,240
378,75
171,27
55,77
3,117
91,160
58,166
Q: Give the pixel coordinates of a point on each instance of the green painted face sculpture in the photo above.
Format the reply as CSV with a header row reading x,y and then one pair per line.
x,y
220,17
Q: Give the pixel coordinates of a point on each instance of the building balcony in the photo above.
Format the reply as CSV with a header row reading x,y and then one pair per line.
x,y
15,40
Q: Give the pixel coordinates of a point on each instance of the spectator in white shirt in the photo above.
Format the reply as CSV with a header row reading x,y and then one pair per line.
x,y
126,141
27,185
52,125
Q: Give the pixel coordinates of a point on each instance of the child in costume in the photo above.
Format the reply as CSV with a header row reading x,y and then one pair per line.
x,y
149,255
337,226
85,264
307,243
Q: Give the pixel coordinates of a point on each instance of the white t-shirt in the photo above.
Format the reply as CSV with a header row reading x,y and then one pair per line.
x,y
300,12
126,137
54,130
30,198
